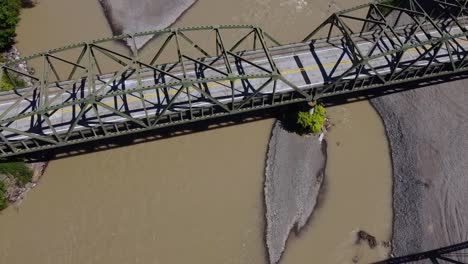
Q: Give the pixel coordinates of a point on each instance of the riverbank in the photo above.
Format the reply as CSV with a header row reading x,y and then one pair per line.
x,y
15,189
16,178
426,129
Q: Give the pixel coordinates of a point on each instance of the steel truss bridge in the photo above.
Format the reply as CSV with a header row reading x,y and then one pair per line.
x,y
100,89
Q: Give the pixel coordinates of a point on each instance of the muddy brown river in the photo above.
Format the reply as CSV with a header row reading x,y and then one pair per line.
x,y
196,198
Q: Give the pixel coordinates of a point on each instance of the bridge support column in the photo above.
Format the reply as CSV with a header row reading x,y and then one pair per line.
x,y
312,103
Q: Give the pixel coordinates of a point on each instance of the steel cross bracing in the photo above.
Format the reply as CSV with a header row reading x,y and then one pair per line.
x,y
416,44
455,254
100,89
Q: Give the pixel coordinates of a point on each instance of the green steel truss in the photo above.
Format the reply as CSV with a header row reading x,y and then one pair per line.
x,y
416,42
101,89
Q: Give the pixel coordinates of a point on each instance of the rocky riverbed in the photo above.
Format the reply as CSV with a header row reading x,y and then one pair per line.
x,y
427,130
427,133
293,176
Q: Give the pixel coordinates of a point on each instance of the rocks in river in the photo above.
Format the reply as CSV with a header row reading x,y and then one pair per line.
x,y
143,15
293,177
386,244
364,236
426,129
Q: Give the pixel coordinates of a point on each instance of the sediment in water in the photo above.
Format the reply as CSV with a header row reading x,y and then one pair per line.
x,y
427,131
293,177
143,15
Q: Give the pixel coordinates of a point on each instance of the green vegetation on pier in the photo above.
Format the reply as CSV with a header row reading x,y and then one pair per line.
x,y
311,122
300,119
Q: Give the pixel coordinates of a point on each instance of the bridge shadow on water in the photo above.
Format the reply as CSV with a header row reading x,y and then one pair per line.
x,y
221,122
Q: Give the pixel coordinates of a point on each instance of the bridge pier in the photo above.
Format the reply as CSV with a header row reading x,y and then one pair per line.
x,y
312,103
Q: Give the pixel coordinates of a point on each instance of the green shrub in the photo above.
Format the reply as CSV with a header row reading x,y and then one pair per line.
x,y
19,170
311,123
3,200
6,84
9,18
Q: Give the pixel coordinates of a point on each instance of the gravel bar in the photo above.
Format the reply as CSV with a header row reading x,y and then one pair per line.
x,y
293,177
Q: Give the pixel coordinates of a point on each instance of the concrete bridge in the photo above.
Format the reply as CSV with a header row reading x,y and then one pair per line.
x,y
99,89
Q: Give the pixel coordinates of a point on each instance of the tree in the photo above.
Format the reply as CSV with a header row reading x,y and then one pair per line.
x,y
9,18
311,123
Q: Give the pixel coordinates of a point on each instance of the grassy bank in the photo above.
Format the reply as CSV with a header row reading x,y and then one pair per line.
x,y
17,174
18,170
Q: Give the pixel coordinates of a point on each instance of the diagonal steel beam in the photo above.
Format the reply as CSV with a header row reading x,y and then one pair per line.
x,y
253,95
29,135
119,113
158,116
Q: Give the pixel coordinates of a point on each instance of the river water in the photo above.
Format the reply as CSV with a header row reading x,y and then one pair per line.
x,y
196,197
